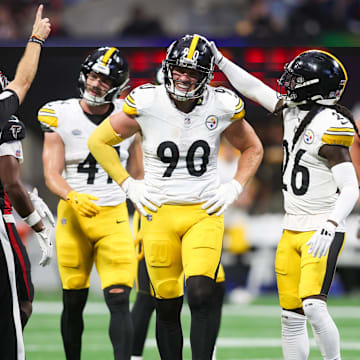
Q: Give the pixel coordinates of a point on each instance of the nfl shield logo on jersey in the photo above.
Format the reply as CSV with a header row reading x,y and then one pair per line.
x,y
308,136
211,122
187,122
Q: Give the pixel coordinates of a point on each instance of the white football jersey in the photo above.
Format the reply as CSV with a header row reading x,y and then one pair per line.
x,y
309,189
82,172
180,149
13,148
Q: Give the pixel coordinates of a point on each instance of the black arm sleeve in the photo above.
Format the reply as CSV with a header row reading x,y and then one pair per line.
x,y
9,103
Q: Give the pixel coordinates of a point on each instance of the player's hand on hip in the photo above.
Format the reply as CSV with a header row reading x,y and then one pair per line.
x,y
40,206
217,54
137,192
83,203
41,27
320,242
224,196
44,239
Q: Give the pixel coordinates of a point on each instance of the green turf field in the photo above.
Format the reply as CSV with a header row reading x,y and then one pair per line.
x,y
247,331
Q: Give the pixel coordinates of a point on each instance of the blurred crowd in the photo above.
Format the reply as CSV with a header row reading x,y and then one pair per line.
x,y
253,19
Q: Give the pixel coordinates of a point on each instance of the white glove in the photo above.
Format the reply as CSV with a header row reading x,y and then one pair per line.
x,y
40,206
217,54
46,246
225,195
136,191
320,242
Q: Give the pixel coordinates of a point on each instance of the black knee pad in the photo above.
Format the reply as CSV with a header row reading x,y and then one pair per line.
x,y
200,290
117,298
75,300
169,309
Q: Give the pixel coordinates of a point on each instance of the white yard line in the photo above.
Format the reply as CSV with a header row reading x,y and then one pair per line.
x,y
343,312
220,343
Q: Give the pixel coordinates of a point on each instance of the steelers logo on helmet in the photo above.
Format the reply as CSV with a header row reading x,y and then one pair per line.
x,y
190,52
313,76
109,62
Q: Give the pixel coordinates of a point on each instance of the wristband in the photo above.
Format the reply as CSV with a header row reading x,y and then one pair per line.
x,y
37,39
32,219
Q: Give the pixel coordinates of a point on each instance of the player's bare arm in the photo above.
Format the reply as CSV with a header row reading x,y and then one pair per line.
x,y
54,163
27,67
10,176
242,136
135,165
335,154
355,153
124,125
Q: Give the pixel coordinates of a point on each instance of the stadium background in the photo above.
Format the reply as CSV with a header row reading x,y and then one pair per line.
x,y
260,35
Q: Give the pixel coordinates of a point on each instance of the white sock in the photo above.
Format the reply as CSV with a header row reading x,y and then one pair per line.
x,y
214,354
136,358
325,331
295,340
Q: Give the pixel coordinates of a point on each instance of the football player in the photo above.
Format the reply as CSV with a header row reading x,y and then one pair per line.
x,y
144,304
29,206
12,95
93,224
180,198
319,187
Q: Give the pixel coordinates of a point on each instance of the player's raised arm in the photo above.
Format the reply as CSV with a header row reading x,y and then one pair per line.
x,y
247,84
27,67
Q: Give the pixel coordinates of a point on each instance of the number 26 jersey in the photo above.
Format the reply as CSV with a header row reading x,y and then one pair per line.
x,y
82,172
309,189
180,149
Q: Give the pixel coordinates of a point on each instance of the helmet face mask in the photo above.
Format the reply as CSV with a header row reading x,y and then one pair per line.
x,y
190,52
109,63
313,76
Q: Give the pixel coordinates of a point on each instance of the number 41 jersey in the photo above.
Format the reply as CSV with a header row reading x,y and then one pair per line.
x,y
81,171
309,189
180,149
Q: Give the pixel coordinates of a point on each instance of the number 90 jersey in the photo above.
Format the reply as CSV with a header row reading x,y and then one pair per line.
x,y
180,149
309,189
81,171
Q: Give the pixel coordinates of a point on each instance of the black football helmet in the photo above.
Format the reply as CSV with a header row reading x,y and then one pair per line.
x,y
107,61
3,81
192,52
314,75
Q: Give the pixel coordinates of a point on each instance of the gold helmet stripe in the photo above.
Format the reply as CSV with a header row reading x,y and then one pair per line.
x,y
192,48
108,55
